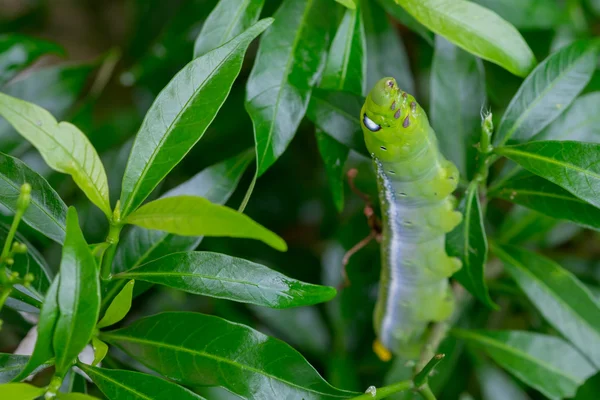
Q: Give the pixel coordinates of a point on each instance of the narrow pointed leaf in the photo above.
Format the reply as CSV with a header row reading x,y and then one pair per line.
x,y
457,98
128,385
386,54
289,60
476,30
496,385
62,145
18,51
522,225
573,166
180,115
468,242
543,362
119,307
227,20
225,277
545,197
100,350
197,216
43,350
20,391
334,155
11,365
214,352
563,300
579,122
46,212
407,20
548,91
78,297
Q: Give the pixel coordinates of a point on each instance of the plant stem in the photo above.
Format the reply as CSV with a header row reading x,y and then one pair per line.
x,y
109,255
426,393
248,193
386,391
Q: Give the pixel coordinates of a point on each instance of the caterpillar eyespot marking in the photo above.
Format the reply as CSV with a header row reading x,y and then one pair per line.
x,y
415,185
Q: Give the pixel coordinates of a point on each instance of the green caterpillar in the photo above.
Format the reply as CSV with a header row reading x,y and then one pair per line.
x,y
415,184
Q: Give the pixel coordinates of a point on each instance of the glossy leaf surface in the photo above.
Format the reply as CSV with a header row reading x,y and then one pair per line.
x,y
78,297
18,51
212,351
20,391
180,115
197,216
548,91
228,19
571,165
46,212
62,145
543,362
128,385
476,30
119,307
468,242
11,365
561,298
226,277
290,57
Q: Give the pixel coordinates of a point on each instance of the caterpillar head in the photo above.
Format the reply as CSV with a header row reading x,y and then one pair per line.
x,y
392,122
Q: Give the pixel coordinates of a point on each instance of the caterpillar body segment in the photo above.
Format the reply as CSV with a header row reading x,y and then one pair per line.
x,y
415,184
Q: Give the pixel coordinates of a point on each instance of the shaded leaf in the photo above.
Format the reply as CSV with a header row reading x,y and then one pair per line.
x,y
197,216
18,51
180,115
522,225
78,297
128,385
222,276
20,391
62,145
548,91
337,114
527,14
119,307
46,212
579,122
563,300
571,165
334,155
212,351
11,365
457,98
290,57
496,385
476,30
407,20
547,198
228,19
386,55
543,362
468,242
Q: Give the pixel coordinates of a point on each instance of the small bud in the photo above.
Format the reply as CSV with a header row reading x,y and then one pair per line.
x,y
28,279
19,248
24,197
9,261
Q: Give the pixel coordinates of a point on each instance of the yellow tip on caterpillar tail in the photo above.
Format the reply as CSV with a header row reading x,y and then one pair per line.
x,y
384,354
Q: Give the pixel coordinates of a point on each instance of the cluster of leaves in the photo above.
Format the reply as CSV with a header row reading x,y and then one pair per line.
x,y
523,184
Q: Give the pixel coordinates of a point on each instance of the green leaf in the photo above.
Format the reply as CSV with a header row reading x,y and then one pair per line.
x,y
119,307
351,4
55,88
580,122
345,69
180,115
527,14
571,165
522,225
43,350
62,145
290,57
407,20
46,212
468,242
18,51
212,351
457,98
496,385
548,91
476,30
197,216
543,362
547,198
75,396
228,19
78,297
386,55
563,300
11,365
225,277
20,391
100,350
128,385
336,114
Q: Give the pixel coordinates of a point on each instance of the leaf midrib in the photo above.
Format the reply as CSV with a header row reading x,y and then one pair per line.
x,y
194,352
543,194
117,383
